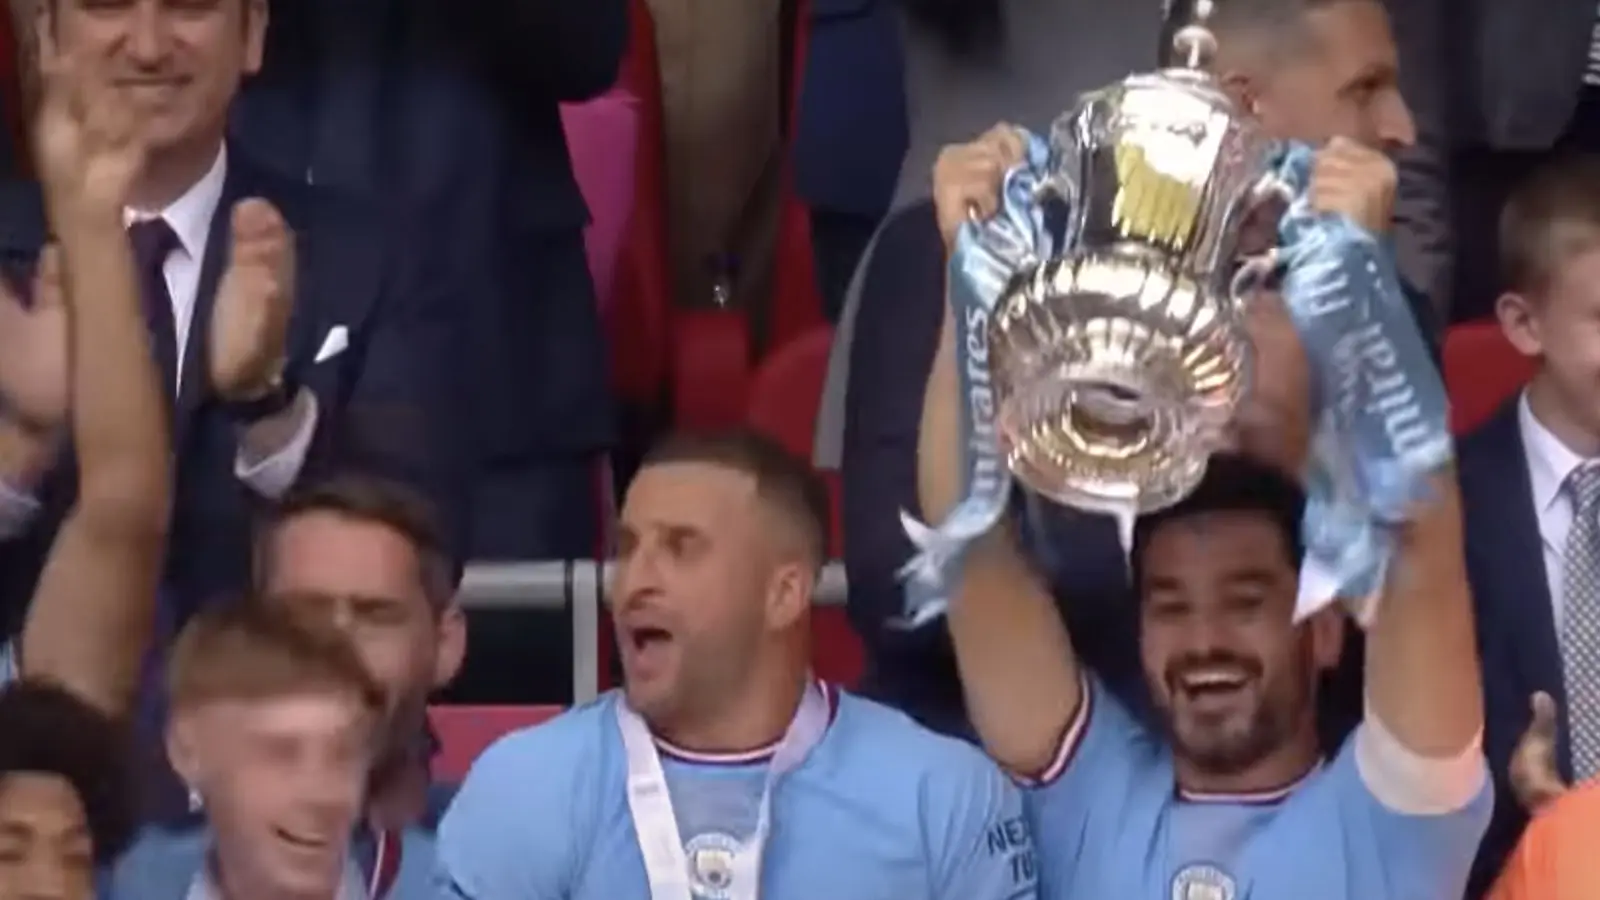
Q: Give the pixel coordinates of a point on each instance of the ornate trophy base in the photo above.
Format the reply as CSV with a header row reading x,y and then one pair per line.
x,y
1118,374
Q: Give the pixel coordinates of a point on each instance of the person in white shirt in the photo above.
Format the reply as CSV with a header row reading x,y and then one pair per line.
x,y
1530,485
296,331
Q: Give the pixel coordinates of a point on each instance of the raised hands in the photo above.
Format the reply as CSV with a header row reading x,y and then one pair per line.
x,y
255,298
88,146
967,177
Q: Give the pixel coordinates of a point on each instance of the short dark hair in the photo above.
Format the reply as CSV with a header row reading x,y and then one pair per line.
x,y
1232,483
1283,20
374,500
782,478
45,729
1549,217
255,648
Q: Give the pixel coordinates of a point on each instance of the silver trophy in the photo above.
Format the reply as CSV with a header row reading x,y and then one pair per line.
x,y
1118,363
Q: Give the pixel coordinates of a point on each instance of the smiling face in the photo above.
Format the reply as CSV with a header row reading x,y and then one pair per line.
x,y
283,780
177,62
1228,668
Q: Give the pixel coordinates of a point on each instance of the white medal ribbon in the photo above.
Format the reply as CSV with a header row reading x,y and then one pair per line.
x,y
665,861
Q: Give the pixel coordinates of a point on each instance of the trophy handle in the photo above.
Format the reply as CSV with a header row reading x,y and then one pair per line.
x,y
1253,272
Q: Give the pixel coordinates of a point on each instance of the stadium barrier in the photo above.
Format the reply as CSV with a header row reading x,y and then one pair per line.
x,y
578,585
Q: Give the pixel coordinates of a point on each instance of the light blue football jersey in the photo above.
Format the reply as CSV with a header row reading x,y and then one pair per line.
x,y
163,864
880,809
1109,822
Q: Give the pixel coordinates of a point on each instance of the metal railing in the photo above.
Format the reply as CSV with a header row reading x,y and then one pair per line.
x,y
579,585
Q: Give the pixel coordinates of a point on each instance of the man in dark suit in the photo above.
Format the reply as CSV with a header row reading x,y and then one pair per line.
x,y
295,335
448,112
850,133
1531,496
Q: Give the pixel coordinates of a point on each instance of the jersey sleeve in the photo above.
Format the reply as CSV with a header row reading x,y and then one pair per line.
x,y
1416,851
516,825
1104,753
979,833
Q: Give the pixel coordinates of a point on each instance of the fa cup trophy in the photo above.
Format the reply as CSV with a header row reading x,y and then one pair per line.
x,y
1100,318
1118,362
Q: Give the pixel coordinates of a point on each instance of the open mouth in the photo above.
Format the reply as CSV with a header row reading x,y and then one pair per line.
x,y
648,637
1212,685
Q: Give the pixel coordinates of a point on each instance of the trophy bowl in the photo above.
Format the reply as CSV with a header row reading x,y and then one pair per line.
x,y
1118,363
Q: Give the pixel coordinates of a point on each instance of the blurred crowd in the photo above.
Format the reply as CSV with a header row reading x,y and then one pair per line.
x,y
318,318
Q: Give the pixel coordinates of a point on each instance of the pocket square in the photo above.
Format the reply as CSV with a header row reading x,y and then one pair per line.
x,y
335,343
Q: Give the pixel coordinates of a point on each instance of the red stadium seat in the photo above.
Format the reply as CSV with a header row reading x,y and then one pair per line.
x,y
796,298
1481,371
784,397
465,731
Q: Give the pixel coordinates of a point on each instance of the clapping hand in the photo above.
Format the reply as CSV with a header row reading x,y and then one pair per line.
x,y
250,322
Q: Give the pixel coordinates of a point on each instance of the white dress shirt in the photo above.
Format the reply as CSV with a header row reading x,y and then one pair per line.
x,y
190,218
1549,463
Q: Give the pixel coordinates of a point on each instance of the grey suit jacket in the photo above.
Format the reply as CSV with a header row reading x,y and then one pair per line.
x,y
1060,48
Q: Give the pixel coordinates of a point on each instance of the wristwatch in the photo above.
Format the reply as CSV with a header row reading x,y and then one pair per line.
x,y
278,396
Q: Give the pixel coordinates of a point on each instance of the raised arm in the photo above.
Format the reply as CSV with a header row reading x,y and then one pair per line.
x,y
1423,682
90,619
1018,671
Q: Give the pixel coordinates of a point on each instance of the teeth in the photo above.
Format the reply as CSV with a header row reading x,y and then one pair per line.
x,y
1213,679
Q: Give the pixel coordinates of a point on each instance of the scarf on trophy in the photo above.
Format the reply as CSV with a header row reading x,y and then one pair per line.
x,y
1381,414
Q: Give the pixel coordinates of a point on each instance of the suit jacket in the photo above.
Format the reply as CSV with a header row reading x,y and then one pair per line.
x,y
1515,69
450,112
1516,623
386,403
850,131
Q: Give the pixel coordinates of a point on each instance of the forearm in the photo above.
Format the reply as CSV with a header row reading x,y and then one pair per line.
x,y
1017,668
119,417
92,613
1423,679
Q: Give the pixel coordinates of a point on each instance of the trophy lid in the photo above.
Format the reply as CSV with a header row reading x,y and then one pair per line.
x,y
1187,41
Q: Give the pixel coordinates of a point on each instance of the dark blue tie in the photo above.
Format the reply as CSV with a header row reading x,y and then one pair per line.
x,y
153,241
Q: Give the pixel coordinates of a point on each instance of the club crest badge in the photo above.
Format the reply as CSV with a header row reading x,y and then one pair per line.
x,y
1202,882
711,856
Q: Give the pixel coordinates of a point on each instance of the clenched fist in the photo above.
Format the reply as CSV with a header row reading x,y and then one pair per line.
x,y
250,322
1355,180
967,178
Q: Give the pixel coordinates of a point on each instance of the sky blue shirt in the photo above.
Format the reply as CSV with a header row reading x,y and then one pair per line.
x,y
880,809
1110,824
163,863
